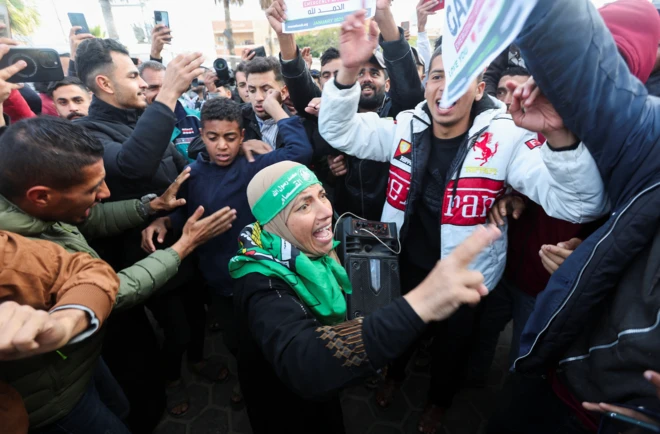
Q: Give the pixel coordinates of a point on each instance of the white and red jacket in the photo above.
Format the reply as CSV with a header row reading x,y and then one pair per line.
x,y
497,155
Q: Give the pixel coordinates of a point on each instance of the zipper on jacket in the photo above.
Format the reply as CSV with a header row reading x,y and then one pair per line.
x,y
577,282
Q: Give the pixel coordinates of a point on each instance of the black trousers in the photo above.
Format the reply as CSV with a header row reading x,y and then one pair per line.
x,y
182,316
451,346
528,405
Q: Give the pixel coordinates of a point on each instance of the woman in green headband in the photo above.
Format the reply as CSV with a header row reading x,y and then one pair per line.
x,y
296,348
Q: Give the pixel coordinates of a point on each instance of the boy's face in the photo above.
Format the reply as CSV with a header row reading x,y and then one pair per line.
x,y
223,141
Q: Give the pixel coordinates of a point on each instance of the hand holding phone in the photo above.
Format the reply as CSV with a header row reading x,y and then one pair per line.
x,y
42,65
259,52
405,25
78,20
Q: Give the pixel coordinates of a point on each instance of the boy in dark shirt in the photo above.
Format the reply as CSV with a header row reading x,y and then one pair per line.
x,y
218,179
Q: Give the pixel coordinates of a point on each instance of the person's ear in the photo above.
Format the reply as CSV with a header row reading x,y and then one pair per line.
x,y
387,85
284,92
41,196
242,135
481,87
103,83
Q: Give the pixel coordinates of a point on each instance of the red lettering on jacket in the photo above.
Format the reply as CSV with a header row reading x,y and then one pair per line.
x,y
532,144
398,188
473,199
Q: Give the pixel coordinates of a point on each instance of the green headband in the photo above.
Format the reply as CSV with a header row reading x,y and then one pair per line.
x,y
282,192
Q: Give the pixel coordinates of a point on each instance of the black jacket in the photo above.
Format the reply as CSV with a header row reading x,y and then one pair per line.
x,y
362,190
139,158
288,360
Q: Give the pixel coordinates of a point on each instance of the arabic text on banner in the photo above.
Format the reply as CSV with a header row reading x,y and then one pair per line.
x,y
476,31
306,15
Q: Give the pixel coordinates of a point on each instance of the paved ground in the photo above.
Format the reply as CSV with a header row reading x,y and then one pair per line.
x,y
210,412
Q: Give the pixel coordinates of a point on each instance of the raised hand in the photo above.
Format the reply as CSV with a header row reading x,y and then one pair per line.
x,y
168,201
160,35
197,232
276,15
179,74
306,54
356,46
532,111
424,9
507,205
75,40
451,284
247,55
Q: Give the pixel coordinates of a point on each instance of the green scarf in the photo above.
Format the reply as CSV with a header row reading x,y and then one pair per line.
x,y
319,283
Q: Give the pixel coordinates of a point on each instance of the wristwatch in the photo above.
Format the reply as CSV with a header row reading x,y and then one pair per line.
x,y
145,209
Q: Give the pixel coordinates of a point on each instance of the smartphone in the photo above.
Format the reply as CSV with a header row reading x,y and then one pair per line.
x,y
4,19
43,64
162,17
405,25
438,7
259,51
628,425
77,19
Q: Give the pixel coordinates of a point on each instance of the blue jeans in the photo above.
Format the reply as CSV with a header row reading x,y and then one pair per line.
x,y
502,305
99,411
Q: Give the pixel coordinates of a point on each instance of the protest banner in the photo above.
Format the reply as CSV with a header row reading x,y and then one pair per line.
x,y
306,15
476,31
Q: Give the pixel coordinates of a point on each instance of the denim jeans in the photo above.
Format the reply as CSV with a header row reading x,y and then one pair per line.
x,y
99,411
502,305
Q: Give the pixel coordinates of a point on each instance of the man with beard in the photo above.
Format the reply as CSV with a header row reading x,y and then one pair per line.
x,y
390,84
71,97
140,160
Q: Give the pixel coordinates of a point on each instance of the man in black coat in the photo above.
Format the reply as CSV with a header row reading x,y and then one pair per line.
x,y
140,161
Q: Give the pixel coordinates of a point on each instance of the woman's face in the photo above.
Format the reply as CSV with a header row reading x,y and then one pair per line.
x,y
310,221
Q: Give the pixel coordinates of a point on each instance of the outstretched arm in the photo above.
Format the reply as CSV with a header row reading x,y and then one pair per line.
x,y
588,82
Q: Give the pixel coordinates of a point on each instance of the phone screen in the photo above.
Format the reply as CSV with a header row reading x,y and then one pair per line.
x,y
77,19
628,425
439,6
162,17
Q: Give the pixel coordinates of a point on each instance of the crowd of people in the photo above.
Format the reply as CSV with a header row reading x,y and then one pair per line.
x,y
141,194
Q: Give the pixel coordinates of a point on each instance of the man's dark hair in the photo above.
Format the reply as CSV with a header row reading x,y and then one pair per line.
x,y
222,109
151,64
67,81
42,86
516,70
47,151
241,67
95,56
329,55
438,43
260,65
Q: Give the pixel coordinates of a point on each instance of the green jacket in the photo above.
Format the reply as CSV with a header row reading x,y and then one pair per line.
x,y
50,384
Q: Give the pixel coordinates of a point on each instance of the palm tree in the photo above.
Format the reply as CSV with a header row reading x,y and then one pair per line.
x,y
228,32
106,8
265,4
23,16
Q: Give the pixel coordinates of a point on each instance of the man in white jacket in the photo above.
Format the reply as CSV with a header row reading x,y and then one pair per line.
x,y
447,169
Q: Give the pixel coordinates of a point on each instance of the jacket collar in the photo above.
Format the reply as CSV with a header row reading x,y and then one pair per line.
x,y
101,110
14,219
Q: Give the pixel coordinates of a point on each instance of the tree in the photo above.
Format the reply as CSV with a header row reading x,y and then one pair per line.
x,y
23,16
319,41
265,4
229,35
106,8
